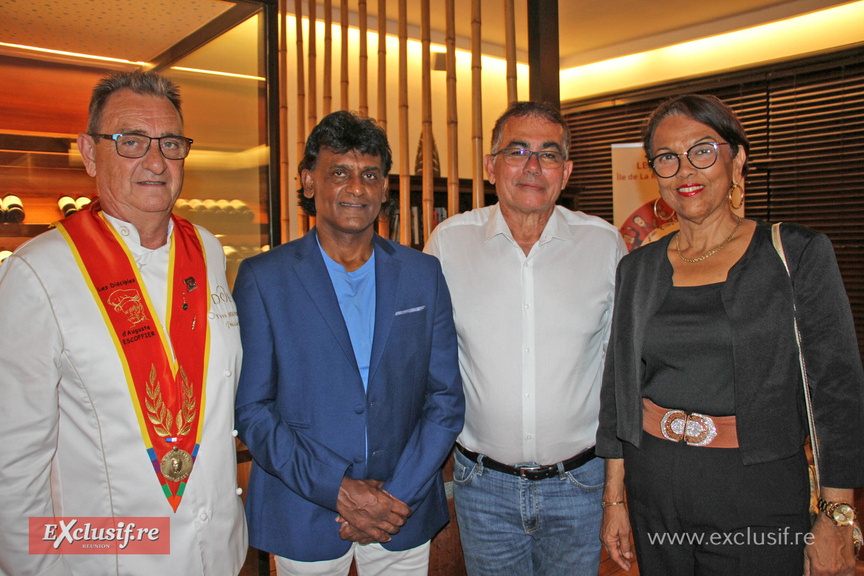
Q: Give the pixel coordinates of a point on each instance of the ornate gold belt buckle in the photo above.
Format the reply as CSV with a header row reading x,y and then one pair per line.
x,y
695,429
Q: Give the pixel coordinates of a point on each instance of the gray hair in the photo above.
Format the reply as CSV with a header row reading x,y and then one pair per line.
x,y
147,83
536,109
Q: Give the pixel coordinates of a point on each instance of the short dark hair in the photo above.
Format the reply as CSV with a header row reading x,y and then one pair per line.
x,y
343,132
703,108
140,82
528,108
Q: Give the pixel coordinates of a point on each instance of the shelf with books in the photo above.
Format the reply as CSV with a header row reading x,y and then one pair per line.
x,y
440,210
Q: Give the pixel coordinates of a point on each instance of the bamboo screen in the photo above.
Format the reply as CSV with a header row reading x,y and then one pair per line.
x,y
309,84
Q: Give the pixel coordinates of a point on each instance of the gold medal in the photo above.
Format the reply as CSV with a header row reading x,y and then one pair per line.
x,y
176,465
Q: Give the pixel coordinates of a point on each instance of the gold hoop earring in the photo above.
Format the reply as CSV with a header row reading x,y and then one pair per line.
x,y
731,192
656,215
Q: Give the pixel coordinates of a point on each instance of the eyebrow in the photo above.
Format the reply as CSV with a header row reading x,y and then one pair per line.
x,y
522,144
695,142
347,167
143,133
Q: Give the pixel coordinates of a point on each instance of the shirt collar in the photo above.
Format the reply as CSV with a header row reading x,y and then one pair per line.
x,y
556,227
130,234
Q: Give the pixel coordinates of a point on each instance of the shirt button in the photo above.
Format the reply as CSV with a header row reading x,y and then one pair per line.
x,y
234,433
528,436
527,395
525,265
239,491
227,373
203,516
211,315
527,350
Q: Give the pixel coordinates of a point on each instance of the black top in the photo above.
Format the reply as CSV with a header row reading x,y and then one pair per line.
x,y
688,353
769,402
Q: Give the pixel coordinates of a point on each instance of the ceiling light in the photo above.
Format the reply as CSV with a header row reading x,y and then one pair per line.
x,y
217,73
73,54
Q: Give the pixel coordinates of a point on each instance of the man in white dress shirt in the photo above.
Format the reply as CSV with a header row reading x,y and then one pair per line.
x,y
532,287
119,349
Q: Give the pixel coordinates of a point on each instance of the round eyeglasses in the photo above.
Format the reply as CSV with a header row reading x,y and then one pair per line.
x,y
702,155
137,145
521,157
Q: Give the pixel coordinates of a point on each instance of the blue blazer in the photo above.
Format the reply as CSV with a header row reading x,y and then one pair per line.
x,y
302,411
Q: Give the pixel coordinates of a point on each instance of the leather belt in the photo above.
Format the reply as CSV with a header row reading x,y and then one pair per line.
x,y
695,429
531,472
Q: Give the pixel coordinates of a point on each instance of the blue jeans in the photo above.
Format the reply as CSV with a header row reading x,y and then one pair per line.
x,y
512,526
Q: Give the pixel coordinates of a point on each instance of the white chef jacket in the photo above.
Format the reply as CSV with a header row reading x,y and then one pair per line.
x,y
70,443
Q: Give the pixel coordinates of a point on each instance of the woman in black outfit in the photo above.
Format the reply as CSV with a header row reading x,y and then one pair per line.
x,y
702,408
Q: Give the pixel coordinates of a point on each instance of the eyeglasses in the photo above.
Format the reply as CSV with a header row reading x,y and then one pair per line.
x,y
702,155
521,157
137,145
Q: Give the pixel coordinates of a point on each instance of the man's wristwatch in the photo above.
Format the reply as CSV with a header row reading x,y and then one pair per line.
x,y
841,513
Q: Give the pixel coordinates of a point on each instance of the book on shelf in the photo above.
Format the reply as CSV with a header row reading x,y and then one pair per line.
x,y
439,214
416,231
394,226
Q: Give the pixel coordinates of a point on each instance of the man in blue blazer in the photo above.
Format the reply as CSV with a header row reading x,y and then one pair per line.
x,y
349,397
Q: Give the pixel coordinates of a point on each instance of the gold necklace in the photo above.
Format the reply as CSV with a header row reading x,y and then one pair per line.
x,y
707,254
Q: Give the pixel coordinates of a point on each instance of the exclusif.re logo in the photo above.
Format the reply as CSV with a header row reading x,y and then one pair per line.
x,y
100,535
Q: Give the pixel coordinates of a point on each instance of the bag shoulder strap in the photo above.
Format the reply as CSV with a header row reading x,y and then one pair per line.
x,y
814,443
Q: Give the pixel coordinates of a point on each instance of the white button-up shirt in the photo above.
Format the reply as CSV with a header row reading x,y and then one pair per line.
x,y
532,330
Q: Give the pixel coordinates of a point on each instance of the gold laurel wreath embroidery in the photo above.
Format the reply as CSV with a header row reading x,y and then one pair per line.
x,y
159,414
187,413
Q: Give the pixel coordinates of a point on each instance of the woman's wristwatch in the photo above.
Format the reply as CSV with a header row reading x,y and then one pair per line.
x,y
841,513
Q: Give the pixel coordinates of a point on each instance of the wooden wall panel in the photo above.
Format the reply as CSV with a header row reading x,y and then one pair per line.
x,y
44,97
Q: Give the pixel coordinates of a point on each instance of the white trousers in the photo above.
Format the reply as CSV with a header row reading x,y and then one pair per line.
x,y
372,560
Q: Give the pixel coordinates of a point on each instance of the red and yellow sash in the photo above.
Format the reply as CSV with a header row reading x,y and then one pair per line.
x,y
167,390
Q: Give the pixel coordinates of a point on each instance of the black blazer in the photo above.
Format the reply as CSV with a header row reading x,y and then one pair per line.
x,y
769,401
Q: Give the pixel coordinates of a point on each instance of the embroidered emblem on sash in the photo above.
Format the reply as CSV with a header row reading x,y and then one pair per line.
x,y
128,302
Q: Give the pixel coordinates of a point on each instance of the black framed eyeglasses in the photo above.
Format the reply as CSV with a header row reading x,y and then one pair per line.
x,y
702,155
137,145
516,156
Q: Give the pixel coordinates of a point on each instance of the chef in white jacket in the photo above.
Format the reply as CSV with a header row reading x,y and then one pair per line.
x,y
119,353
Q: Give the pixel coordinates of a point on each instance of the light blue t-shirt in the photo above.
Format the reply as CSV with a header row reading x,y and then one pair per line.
x,y
355,292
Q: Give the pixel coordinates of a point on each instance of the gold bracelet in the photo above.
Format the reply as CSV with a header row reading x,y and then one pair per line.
x,y
604,504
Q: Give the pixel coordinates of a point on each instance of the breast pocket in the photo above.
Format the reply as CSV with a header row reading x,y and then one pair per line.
x,y
410,335
407,316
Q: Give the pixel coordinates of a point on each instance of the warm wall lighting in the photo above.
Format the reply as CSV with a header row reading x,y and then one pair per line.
x,y
809,33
